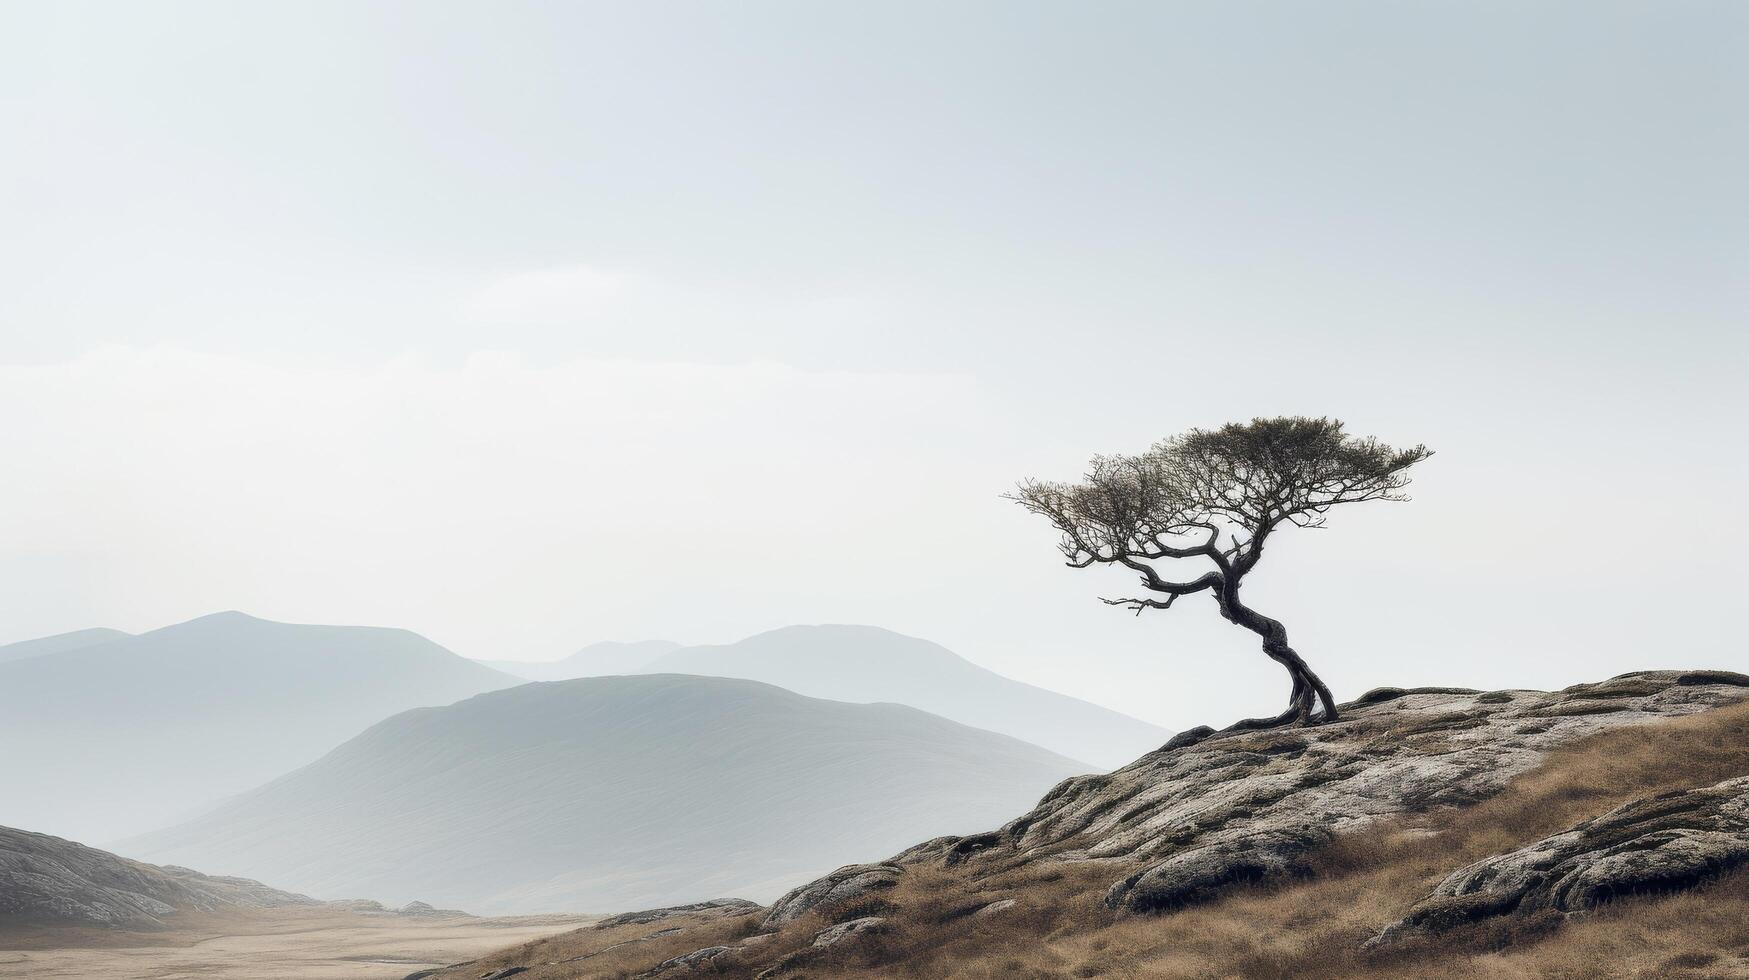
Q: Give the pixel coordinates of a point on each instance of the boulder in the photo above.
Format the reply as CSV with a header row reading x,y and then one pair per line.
x,y
1199,872
834,935
687,960
824,894
1658,844
825,939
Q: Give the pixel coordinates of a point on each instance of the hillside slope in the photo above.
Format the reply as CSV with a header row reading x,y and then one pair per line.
x,y
131,734
1602,830
47,880
59,643
612,792
865,664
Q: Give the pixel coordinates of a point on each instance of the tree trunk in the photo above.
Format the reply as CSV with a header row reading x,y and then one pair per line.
x,y
1309,692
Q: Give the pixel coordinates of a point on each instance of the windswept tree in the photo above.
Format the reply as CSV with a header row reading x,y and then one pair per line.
x,y
1215,497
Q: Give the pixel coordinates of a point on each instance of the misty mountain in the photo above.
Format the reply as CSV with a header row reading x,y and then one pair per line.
x,y
59,643
594,660
135,733
867,664
612,793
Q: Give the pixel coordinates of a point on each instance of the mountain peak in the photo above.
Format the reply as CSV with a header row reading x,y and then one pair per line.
x,y
847,662
613,792
228,619
229,616
177,718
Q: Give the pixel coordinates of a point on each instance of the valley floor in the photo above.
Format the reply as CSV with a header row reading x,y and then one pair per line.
x,y
286,944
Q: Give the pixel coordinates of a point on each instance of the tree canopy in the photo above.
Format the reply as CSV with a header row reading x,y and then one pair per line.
x,y
1216,495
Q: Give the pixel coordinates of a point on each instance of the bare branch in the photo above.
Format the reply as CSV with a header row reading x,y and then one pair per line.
x,y
1140,604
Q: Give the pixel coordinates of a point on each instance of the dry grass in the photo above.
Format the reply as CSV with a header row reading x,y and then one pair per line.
x,y
1310,929
618,953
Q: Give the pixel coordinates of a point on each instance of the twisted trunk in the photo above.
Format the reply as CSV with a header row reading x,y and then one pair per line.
x,y
1309,691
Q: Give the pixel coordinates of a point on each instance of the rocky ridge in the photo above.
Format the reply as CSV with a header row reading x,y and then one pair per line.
x,y
1211,809
1654,845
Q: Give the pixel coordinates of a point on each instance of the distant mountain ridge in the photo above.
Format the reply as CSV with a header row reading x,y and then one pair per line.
x,y
868,664
60,643
594,660
611,793
118,737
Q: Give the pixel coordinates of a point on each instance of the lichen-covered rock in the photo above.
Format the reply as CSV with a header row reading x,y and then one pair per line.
x,y
1658,844
687,960
825,939
834,935
850,882
1198,872
1215,808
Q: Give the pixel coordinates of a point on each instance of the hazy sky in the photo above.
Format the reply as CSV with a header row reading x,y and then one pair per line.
x,y
529,325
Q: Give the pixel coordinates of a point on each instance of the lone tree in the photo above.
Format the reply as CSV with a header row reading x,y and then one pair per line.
x,y
1216,497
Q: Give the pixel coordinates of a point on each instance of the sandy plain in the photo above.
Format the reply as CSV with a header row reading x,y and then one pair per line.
x,y
277,945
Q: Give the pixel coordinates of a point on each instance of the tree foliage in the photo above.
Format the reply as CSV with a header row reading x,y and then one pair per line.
x,y
1215,496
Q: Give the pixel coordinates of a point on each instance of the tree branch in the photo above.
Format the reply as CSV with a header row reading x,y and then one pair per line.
x,y
1140,604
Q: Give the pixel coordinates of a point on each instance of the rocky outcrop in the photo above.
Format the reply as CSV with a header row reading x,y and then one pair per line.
x,y
837,889
711,909
1201,871
1659,844
45,879
832,936
686,961
1211,809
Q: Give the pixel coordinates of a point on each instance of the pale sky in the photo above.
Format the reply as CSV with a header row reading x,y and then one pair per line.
x,y
529,325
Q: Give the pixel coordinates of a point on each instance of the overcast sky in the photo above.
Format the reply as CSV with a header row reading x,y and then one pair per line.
x,y
529,325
